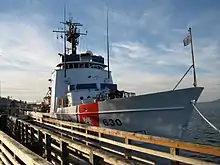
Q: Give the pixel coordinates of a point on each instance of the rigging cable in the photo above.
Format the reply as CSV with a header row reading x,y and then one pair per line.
x,y
209,123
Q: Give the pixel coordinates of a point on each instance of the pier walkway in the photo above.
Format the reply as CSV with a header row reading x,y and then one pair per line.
x,y
51,141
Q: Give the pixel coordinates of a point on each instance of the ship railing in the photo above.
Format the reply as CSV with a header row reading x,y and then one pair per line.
x,y
101,97
105,95
128,94
132,145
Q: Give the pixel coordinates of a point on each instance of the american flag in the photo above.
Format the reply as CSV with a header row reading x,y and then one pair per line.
x,y
187,40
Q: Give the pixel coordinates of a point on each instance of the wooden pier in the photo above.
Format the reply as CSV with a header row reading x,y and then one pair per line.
x,y
51,141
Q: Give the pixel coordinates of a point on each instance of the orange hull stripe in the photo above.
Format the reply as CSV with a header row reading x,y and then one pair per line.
x,y
91,119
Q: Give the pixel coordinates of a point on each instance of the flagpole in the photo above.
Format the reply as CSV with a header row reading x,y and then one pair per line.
x,y
193,59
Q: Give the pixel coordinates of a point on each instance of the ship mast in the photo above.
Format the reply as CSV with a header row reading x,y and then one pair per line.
x,y
71,34
107,40
64,40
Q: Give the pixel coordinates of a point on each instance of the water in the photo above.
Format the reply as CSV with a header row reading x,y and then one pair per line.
x,y
200,132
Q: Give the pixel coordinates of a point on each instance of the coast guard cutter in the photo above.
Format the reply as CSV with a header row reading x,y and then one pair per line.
x,y
82,90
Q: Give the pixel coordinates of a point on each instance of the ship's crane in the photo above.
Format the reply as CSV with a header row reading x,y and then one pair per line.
x,y
45,104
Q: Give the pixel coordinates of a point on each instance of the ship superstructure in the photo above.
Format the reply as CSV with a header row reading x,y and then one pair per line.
x,y
79,77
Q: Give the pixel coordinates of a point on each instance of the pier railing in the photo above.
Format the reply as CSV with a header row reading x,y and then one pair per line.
x,y
12,152
61,149
129,142
60,141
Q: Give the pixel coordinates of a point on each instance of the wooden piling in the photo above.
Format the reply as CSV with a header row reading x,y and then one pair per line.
x,y
174,151
26,134
94,159
48,147
40,142
32,136
64,153
127,151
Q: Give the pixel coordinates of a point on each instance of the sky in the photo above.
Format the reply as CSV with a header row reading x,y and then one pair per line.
x,y
146,43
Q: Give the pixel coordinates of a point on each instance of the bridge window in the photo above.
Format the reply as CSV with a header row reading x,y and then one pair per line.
x,y
70,66
97,67
109,86
86,86
98,59
83,86
82,65
72,87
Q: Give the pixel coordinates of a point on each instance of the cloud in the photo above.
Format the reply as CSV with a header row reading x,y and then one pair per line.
x,y
151,18
28,55
143,69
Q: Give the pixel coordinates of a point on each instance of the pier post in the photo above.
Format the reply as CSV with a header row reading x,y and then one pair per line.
x,y
86,131
71,130
100,136
22,133
94,159
26,134
41,120
174,151
3,121
14,127
32,136
64,153
40,142
127,151
48,147
18,133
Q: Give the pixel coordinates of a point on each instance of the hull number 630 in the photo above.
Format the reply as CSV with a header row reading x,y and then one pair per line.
x,y
112,122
